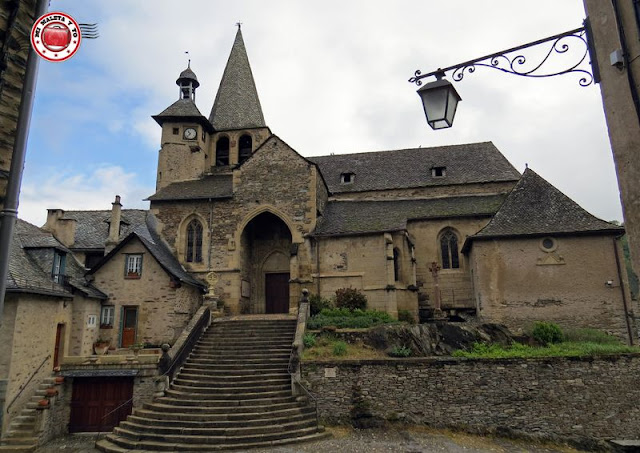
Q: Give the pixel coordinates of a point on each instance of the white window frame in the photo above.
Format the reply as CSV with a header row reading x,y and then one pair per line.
x,y
133,265
107,314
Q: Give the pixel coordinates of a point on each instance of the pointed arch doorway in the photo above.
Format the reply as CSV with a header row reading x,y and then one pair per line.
x,y
265,265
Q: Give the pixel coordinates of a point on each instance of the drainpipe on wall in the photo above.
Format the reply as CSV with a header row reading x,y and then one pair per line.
x,y
9,213
627,316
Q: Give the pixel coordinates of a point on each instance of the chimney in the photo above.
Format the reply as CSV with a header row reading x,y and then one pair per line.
x,y
64,230
114,226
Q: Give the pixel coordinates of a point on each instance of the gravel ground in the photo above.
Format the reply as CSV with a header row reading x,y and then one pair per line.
x,y
396,440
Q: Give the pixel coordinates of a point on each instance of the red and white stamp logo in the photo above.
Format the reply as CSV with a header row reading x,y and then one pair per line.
x,y
55,36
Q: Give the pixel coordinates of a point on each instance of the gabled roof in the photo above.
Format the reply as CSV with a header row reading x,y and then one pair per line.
x,y
31,263
147,235
92,227
536,208
25,275
209,187
363,217
237,105
409,168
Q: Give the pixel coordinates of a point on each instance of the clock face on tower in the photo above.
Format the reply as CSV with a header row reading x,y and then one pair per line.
x,y
190,133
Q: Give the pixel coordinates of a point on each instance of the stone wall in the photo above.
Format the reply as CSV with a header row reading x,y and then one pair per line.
x,y
35,320
83,335
455,284
565,398
163,310
517,282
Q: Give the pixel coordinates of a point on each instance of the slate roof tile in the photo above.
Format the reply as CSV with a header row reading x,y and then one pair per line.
x,y
214,187
535,207
409,168
361,217
92,227
237,105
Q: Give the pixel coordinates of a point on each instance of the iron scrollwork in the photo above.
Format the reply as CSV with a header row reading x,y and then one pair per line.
x,y
515,64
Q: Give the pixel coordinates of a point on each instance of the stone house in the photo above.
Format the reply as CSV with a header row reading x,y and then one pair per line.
x,y
51,311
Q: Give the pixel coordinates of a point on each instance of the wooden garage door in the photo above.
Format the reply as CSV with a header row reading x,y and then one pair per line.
x,y
94,398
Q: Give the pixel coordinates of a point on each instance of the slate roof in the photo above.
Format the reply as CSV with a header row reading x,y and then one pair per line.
x,y
183,110
362,217
408,168
31,262
237,105
92,227
535,207
146,233
214,187
188,74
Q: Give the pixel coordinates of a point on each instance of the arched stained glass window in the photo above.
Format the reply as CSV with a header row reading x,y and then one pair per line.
x,y
449,250
194,242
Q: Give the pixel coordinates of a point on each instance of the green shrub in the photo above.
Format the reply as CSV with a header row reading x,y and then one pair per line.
x,y
400,351
318,303
346,319
546,333
406,316
339,348
309,340
351,299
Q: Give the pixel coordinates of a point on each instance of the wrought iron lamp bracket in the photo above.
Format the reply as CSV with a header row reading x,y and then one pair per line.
x,y
515,64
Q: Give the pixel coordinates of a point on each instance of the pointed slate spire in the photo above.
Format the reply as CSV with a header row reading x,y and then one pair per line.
x,y
237,105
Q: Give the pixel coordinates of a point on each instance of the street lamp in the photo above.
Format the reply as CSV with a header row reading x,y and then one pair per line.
x,y
440,98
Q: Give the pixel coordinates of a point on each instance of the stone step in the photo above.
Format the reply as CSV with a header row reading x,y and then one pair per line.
x,y
201,389
107,446
220,371
213,420
287,425
235,356
173,406
18,448
143,439
235,381
255,333
209,398
240,361
235,349
17,441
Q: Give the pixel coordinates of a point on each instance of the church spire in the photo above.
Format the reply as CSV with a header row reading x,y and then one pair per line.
x,y
237,105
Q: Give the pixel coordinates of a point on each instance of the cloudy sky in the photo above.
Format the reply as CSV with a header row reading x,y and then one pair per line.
x,y
332,78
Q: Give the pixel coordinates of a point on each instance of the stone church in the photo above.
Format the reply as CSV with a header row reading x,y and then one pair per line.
x,y
241,217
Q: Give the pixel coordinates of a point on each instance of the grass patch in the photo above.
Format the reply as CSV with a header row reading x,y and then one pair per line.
x,y
326,347
564,349
344,318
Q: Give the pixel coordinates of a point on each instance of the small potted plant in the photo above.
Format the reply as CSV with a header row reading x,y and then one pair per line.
x,y
135,347
101,346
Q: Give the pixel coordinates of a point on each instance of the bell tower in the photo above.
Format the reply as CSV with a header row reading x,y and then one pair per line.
x,y
185,135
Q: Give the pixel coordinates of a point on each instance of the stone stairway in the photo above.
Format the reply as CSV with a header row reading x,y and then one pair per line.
x,y
233,392
24,430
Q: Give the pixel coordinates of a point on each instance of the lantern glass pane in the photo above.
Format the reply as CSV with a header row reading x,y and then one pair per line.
x,y
434,103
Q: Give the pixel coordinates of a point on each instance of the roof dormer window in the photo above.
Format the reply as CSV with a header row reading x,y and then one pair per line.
x,y
347,178
438,172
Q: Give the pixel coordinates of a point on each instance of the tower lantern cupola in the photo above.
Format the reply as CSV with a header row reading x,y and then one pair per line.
x,y
188,82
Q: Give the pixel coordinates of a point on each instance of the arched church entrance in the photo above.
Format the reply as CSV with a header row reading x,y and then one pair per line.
x,y
265,265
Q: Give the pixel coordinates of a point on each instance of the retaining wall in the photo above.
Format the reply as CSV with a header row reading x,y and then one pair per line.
x,y
567,398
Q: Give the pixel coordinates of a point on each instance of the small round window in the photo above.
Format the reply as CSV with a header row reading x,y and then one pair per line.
x,y
548,244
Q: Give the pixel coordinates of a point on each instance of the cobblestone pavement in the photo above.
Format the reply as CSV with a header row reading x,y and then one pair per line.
x,y
407,440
